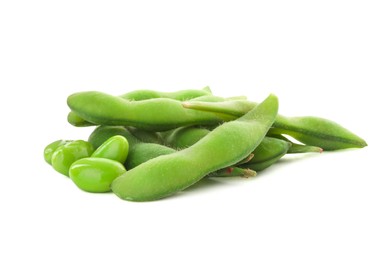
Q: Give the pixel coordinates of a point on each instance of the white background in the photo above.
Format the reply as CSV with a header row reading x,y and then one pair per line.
x,y
324,58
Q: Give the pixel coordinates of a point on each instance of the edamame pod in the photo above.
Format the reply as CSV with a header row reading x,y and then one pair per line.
x,y
267,153
312,131
95,174
269,147
226,145
319,132
157,114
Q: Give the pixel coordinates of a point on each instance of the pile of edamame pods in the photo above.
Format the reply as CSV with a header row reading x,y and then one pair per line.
x,y
147,145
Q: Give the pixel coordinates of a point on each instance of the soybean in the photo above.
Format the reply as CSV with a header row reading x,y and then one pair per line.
x,y
95,174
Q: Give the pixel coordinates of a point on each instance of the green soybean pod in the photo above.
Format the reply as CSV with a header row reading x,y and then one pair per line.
x,y
267,153
319,132
50,149
95,174
157,114
226,145
64,156
268,148
313,131
115,148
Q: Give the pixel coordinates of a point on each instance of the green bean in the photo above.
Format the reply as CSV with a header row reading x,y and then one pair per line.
x,y
312,131
95,174
115,148
157,114
226,145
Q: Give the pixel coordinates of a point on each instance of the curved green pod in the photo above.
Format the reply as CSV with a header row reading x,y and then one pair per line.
x,y
317,131
157,114
313,131
267,153
115,148
268,148
95,174
226,145
64,156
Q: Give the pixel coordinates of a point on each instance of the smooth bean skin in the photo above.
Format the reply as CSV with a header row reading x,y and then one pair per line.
x,y
226,145
159,114
65,156
95,174
115,148
50,149
313,131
